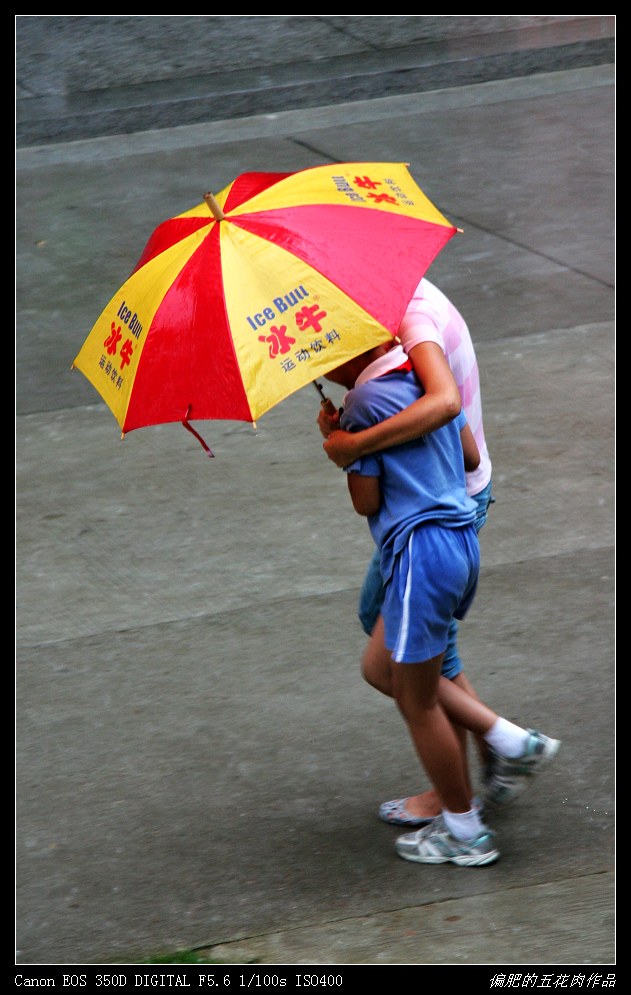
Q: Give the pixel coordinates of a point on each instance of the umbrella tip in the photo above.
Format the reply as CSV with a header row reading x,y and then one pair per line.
x,y
214,207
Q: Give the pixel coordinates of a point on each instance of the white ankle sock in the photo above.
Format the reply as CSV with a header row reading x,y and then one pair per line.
x,y
463,825
506,739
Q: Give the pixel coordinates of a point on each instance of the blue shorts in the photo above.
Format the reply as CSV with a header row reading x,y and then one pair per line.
x,y
371,595
434,580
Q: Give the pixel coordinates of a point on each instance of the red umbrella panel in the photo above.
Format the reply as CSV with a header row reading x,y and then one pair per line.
x,y
261,289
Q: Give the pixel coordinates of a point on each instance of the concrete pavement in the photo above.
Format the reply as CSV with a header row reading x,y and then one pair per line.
x,y
198,762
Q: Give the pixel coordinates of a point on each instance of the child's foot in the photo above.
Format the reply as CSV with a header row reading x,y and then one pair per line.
x,y
435,845
506,777
415,811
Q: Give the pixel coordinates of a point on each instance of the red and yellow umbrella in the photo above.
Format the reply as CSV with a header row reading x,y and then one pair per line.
x,y
261,289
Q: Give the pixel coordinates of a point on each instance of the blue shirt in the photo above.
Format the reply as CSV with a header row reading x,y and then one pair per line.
x,y
420,481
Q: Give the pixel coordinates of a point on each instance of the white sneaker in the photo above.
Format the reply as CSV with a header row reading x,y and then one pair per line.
x,y
506,777
434,844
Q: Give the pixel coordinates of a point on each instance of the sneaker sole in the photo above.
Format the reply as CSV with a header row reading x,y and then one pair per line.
x,y
463,860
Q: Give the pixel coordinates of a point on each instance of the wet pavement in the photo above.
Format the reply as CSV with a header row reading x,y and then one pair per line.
x,y
198,761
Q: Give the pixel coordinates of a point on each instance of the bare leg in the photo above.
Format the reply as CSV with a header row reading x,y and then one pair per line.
x,y
376,668
376,661
464,709
463,682
415,687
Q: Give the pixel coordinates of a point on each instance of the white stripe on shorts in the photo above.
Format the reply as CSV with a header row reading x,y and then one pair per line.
x,y
405,614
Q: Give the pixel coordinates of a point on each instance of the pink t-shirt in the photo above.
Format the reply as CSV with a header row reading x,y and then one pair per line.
x,y
431,317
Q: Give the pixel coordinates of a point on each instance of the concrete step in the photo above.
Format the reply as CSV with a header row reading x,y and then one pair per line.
x,y
67,113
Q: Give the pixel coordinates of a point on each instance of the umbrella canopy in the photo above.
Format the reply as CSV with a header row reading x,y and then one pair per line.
x,y
260,289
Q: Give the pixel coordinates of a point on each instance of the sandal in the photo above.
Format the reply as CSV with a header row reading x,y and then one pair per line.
x,y
396,814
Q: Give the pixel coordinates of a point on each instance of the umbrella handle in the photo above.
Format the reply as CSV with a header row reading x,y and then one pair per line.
x,y
326,402
329,407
